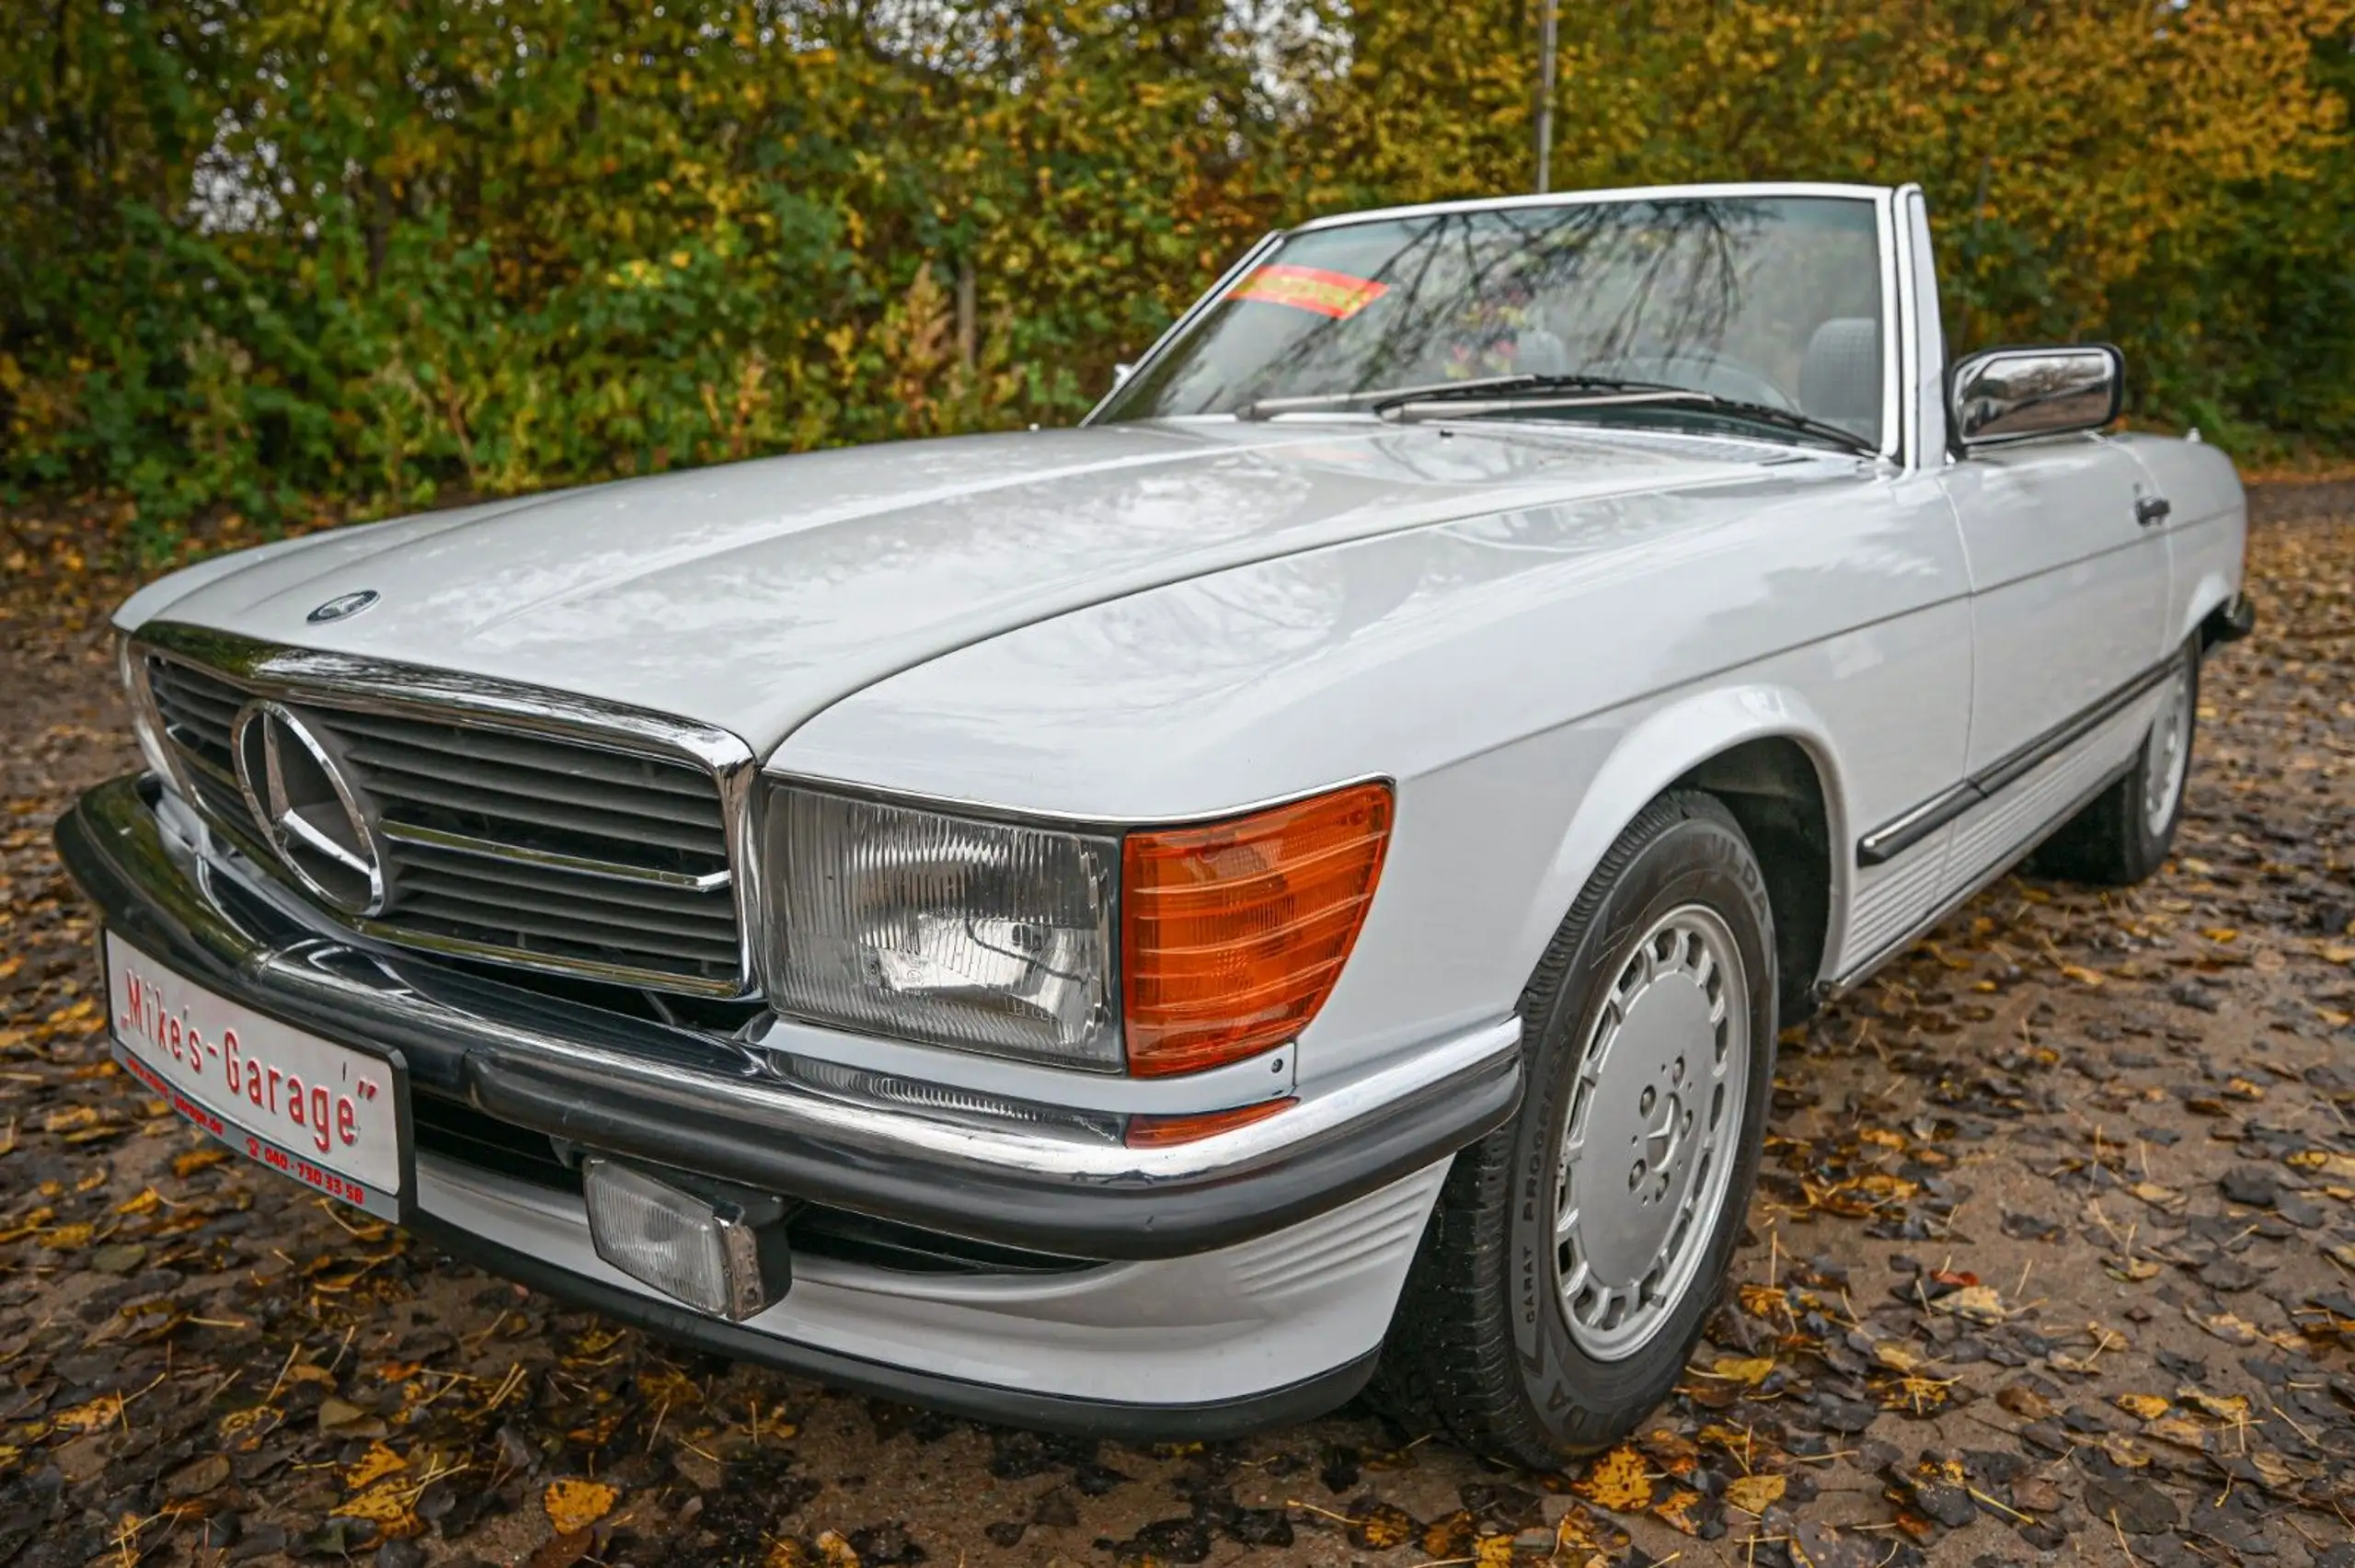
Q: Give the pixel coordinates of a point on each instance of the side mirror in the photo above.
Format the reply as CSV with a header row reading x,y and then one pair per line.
x,y
2000,395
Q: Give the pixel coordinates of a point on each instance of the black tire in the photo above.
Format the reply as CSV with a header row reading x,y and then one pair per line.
x,y
2115,841
1481,1347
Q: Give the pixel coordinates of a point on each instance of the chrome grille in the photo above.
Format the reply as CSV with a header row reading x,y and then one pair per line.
x,y
557,852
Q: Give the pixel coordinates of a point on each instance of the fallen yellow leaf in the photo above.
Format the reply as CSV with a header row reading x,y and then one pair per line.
x,y
2183,1433
2145,1407
1675,1511
378,1463
1896,1357
1743,1369
2273,1470
2323,1161
1619,1481
385,1504
1756,1494
576,1504
99,1413
1978,1303
2125,1452
2235,1407
2082,975
2230,1327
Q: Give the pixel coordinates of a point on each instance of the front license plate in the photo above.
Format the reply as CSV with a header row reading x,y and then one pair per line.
x,y
325,1115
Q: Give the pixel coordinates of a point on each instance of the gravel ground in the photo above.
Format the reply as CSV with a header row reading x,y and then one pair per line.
x,y
2052,1260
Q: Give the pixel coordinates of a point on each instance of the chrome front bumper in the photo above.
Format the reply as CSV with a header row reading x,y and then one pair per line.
x,y
718,1105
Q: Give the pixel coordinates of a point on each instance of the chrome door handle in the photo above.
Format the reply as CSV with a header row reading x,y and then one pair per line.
x,y
2152,510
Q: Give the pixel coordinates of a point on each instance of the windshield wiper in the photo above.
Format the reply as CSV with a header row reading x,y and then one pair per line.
x,y
1381,399
1340,402
1792,419
1521,390
1529,393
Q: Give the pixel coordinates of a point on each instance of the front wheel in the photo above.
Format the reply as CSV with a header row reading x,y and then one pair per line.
x,y
1574,1250
2123,835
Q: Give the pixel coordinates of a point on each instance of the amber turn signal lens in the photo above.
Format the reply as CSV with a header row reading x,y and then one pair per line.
x,y
1160,1132
1233,932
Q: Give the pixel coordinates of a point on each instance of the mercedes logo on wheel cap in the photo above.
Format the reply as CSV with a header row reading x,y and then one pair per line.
x,y
318,825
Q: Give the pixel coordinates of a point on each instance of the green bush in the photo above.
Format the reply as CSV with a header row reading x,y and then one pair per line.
x,y
364,254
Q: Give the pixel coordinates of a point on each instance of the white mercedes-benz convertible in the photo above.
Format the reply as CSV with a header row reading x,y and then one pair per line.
x,y
1143,928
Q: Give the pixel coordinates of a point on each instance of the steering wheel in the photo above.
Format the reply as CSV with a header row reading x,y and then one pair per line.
x,y
1703,372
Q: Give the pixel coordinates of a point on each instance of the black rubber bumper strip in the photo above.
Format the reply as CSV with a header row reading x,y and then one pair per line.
x,y
112,848
1117,1420
1173,1218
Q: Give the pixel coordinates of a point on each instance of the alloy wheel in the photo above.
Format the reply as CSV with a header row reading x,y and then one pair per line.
x,y
1654,1125
2167,755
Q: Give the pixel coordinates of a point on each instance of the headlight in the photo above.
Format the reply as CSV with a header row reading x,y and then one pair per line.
x,y
1162,950
988,935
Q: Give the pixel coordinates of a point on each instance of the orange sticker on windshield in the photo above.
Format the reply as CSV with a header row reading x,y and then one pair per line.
x,y
1336,294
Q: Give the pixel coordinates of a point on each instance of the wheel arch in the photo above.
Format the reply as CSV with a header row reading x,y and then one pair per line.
x,y
2211,612
1764,753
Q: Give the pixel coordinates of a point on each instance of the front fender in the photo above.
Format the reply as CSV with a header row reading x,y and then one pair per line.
x,y
1662,747
2208,610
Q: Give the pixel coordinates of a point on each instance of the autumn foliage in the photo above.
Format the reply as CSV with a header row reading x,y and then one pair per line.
x,y
375,252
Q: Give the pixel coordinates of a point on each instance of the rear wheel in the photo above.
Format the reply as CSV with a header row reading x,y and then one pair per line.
x,y
1575,1252
2123,835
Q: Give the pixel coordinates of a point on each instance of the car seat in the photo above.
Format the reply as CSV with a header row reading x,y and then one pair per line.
x,y
1839,377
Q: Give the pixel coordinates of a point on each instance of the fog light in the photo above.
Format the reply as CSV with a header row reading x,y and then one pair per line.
x,y
723,1254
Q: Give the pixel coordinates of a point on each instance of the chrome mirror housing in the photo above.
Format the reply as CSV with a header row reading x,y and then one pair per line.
x,y
1999,395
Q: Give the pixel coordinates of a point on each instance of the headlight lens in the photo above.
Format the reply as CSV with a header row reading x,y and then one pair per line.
x,y
987,935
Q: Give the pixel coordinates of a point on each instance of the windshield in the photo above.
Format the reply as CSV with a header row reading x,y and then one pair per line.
x,y
1770,301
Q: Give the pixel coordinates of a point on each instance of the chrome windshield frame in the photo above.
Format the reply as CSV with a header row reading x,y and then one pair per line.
x,y
1896,288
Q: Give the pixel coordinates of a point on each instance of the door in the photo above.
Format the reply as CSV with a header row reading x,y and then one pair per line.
x,y
2068,605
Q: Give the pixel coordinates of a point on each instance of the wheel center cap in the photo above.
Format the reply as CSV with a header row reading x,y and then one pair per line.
x,y
1632,1180
1661,1139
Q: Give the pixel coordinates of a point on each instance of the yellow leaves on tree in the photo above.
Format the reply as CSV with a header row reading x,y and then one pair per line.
x,y
2081,134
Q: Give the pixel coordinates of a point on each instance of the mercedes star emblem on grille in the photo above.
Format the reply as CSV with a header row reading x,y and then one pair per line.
x,y
308,809
342,605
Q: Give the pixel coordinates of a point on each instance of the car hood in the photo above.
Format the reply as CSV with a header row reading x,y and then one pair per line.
x,y
752,596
